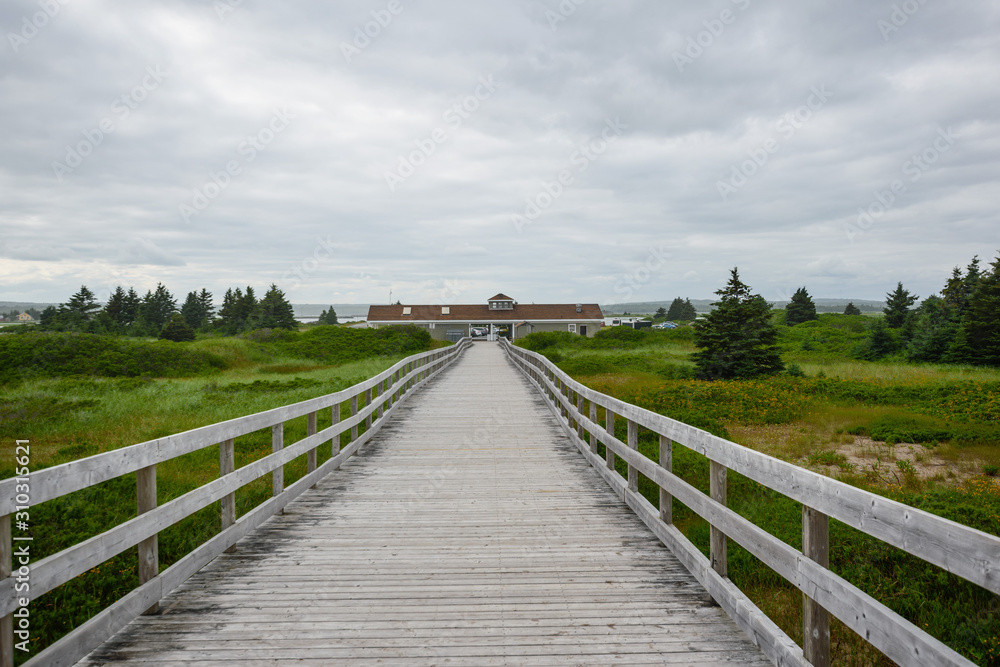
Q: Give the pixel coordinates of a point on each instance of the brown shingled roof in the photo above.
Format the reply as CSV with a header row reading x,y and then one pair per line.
x,y
482,313
500,297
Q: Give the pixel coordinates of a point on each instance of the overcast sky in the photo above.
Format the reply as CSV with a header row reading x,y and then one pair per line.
x,y
586,150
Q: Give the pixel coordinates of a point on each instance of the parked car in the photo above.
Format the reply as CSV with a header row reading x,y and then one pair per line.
x,y
477,332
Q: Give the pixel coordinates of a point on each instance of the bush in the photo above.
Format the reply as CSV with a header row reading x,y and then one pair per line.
x,y
51,354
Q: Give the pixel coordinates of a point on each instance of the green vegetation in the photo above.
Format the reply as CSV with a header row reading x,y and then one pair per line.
x,y
126,313
75,395
737,339
800,309
822,417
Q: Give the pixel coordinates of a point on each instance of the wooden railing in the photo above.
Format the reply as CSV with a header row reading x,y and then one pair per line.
x,y
382,394
963,551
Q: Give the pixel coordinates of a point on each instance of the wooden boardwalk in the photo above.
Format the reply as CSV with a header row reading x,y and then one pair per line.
x,y
470,531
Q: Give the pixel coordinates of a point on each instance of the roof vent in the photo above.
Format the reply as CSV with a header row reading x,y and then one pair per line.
x,y
406,310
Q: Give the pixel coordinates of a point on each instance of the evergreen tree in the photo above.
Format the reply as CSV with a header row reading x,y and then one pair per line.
x,y
681,309
800,309
130,307
114,307
275,312
851,309
157,307
328,317
207,307
676,306
246,310
881,341
897,306
177,329
737,339
192,311
981,321
934,330
81,306
228,312
661,313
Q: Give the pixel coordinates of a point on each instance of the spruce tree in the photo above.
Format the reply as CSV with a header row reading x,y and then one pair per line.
x,y
157,307
800,309
851,309
981,321
897,306
177,329
275,312
737,339
688,311
82,305
675,310
207,307
115,308
191,311
661,313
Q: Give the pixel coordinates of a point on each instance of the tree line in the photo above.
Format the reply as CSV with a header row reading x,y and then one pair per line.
x,y
738,338
156,313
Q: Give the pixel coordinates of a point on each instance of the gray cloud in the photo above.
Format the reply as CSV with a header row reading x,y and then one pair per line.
x,y
174,106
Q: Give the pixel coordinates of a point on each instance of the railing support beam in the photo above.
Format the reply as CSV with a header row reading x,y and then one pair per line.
x,y
815,619
718,551
667,463
149,548
311,454
227,464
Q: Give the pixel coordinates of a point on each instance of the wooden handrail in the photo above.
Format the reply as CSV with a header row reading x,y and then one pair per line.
x,y
961,550
50,483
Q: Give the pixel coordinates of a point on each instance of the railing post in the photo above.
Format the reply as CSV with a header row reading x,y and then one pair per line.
x,y
311,454
278,474
334,420
6,568
149,552
815,619
579,410
383,387
609,426
227,464
354,411
633,444
368,402
593,435
667,463
717,488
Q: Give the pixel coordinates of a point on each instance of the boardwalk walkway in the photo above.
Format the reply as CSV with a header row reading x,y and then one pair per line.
x,y
468,532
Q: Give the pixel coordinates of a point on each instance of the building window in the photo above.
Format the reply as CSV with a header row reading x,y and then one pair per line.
x,y
406,310
430,326
572,328
446,310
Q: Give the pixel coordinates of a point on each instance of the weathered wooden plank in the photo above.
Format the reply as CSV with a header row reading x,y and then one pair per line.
x,y
466,535
718,544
